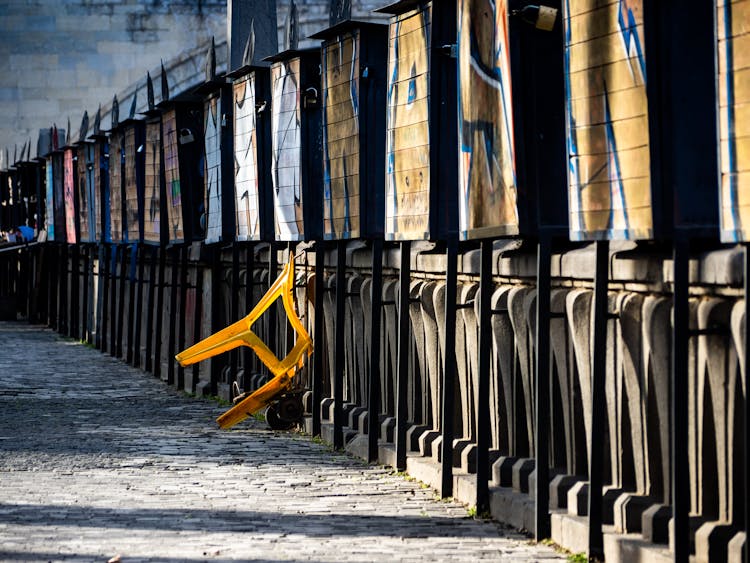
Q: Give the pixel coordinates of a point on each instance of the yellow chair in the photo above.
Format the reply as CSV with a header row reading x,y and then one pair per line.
x,y
241,334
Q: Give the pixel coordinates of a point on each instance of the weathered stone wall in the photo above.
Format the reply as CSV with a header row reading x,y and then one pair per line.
x,y
58,57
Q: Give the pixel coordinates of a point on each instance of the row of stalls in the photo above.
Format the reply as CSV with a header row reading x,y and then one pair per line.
x,y
509,136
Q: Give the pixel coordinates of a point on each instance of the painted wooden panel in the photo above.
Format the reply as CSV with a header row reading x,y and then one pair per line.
x,y
407,211
487,170
286,132
133,204
341,143
50,199
608,137
733,58
152,199
69,187
84,195
101,181
58,175
115,186
172,175
212,168
246,189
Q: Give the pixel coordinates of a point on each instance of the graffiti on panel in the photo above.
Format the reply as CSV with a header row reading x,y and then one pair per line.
x,y
69,183
83,194
246,160
407,209
58,173
132,209
152,197
172,176
607,110
733,34
101,180
115,186
212,172
341,137
50,199
92,193
487,177
286,150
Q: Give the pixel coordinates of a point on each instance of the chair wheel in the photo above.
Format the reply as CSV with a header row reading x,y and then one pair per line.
x,y
285,413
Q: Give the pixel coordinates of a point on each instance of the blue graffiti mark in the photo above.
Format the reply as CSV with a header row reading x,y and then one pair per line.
x,y
412,91
572,139
629,31
616,186
391,163
731,140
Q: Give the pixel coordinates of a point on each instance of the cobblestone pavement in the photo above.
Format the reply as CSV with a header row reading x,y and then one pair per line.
x,y
98,459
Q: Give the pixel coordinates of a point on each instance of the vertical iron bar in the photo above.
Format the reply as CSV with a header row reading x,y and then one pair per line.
x,y
273,268
102,307
73,305
121,298
339,343
598,399
172,344
680,481
150,329
138,323
483,401
402,374
249,286
181,333
449,369
747,414
85,324
318,336
543,372
376,309
62,287
235,312
113,318
132,293
159,322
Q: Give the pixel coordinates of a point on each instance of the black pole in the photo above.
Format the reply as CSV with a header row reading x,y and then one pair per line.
x,y
249,286
85,323
173,329
234,358
318,336
150,324
101,329
132,283
158,322
373,396
113,318
121,299
449,369
598,399
74,305
402,374
140,258
62,286
182,332
680,475
339,343
747,414
483,401
273,269
543,370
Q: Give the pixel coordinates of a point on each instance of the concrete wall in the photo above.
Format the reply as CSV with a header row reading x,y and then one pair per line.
x,y
59,57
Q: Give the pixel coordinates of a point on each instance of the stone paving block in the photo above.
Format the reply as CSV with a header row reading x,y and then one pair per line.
x,y
99,459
